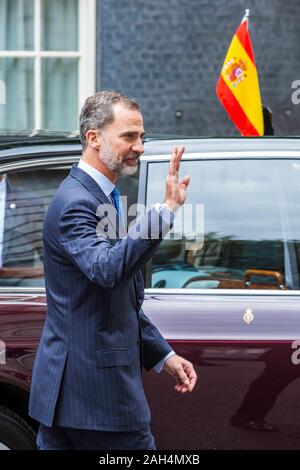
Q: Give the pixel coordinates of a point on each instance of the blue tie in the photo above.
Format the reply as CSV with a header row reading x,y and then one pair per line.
x,y
115,196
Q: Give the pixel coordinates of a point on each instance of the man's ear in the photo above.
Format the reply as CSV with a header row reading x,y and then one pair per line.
x,y
93,138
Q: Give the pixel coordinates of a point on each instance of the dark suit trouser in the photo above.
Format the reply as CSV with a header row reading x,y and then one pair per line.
x,y
61,438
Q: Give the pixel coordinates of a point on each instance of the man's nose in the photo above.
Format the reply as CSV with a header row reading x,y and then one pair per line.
x,y
138,147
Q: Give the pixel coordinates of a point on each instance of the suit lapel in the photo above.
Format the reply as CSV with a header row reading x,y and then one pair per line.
x,y
90,184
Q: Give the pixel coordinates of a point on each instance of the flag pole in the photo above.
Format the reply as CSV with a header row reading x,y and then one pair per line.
x,y
246,16
238,85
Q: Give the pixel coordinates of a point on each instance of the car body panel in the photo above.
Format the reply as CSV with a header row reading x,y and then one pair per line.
x,y
240,341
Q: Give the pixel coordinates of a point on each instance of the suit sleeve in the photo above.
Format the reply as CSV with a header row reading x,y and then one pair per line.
x,y
154,346
85,239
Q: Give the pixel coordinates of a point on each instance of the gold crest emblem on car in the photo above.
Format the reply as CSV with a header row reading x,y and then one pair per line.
x,y
248,316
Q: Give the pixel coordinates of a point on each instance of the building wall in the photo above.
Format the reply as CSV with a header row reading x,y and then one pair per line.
x,y
168,55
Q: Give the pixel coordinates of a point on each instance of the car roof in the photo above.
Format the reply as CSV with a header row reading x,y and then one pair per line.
x,y
39,144
221,144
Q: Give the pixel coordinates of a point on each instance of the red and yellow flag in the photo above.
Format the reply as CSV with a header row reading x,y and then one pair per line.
x,y
238,87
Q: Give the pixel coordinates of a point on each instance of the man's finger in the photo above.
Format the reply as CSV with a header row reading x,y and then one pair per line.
x,y
182,377
182,388
186,388
192,377
172,164
192,385
180,152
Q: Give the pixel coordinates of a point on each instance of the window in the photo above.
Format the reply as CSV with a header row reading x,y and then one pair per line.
x,y
47,62
251,226
24,198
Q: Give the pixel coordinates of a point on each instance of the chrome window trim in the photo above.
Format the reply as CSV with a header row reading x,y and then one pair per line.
x,y
62,160
44,148
23,290
257,154
243,292
152,158
6,168
176,291
20,165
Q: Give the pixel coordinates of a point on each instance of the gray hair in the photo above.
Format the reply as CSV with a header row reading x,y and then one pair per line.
x,y
97,111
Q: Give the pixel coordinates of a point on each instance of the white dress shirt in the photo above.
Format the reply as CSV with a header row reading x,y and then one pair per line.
x,y
107,186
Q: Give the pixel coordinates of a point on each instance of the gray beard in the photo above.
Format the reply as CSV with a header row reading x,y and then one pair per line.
x,y
116,165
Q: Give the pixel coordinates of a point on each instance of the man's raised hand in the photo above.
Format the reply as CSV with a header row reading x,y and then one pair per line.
x,y
175,189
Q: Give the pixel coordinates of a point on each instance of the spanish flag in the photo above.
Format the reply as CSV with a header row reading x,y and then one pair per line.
x,y
238,87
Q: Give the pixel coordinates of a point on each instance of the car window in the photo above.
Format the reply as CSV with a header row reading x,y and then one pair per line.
x,y
250,228
24,198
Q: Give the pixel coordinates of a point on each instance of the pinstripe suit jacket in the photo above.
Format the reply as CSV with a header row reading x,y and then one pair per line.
x,y
87,371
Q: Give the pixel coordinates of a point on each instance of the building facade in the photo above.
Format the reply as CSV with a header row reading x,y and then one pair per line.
x,y
169,53
166,53
47,62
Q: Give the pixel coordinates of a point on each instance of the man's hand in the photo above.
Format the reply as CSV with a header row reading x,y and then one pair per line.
x,y
183,371
175,189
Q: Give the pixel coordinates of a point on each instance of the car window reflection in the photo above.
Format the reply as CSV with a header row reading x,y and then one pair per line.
x,y
251,226
24,198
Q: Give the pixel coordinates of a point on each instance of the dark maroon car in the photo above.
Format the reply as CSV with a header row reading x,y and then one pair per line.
x,y
223,287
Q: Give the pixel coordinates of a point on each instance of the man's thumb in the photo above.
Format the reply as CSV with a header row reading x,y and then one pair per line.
x,y
185,181
183,377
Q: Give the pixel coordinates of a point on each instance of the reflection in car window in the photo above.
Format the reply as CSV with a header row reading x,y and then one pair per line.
x,y
24,198
251,226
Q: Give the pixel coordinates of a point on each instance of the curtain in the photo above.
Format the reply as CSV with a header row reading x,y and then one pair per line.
x,y
60,76
60,94
18,110
16,24
59,32
16,74
60,25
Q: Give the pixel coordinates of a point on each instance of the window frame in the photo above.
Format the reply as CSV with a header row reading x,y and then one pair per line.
x,y
86,55
65,156
150,158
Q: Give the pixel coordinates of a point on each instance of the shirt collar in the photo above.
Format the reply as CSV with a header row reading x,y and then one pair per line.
x,y
105,184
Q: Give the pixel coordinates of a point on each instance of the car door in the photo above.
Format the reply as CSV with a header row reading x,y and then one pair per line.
x,y
29,185
224,291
